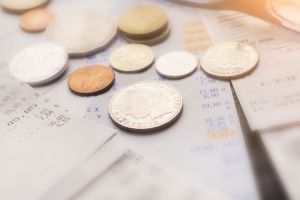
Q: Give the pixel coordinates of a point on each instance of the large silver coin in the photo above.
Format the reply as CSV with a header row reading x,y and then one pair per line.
x,y
176,64
83,33
39,64
146,106
229,60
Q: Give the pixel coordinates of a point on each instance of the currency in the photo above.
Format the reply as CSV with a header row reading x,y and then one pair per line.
x,y
150,41
145,24
36,20
21,5
39,64
132,58
91,79
176,64
229,60
83,33
146,106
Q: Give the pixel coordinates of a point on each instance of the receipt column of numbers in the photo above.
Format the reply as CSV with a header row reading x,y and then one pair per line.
x,y
20,105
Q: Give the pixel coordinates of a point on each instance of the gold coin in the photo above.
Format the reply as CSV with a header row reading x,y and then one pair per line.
x,y
36,20
143,21
150,41
132,58
91,79
21,5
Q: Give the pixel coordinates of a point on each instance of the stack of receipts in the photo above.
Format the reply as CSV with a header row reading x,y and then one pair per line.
x,y
270,96
46,153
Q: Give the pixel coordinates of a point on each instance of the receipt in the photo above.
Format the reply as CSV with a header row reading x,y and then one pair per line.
x,y
126,175
40,142
269,96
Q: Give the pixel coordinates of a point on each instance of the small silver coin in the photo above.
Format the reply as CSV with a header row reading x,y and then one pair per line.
x,y
176,64
39,64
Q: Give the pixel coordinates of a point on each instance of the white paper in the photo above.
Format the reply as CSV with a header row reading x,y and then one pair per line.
x,y
126,174
40,142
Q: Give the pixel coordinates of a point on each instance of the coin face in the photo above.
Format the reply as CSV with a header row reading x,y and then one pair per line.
x,y
142,21
146,106
229,60
83,33
176,64
20,5
39,64
36,20
152,40
91,79
132,58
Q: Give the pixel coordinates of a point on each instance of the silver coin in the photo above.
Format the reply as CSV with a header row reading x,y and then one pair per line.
x,y
131,58
146,106
83,33
176,64
229,60
39,64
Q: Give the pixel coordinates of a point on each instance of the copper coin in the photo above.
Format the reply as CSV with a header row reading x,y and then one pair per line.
x,y
36,20
91,79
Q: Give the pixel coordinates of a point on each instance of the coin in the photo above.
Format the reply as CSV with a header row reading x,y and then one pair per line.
x,y
91,79
229,60
143,21
131,58
176,64
36,20
146,106
21,5
150,41
39,64
83,33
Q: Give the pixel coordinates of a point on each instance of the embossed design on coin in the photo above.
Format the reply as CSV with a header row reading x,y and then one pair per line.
x,y
176,64
83,33
39,64
146,106
229,60
132,58
91,79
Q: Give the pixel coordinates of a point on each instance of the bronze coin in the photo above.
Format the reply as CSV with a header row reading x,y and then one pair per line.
x,y
91,79
36,20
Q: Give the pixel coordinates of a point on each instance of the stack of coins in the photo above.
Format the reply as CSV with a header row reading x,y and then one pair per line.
x,y
145,24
